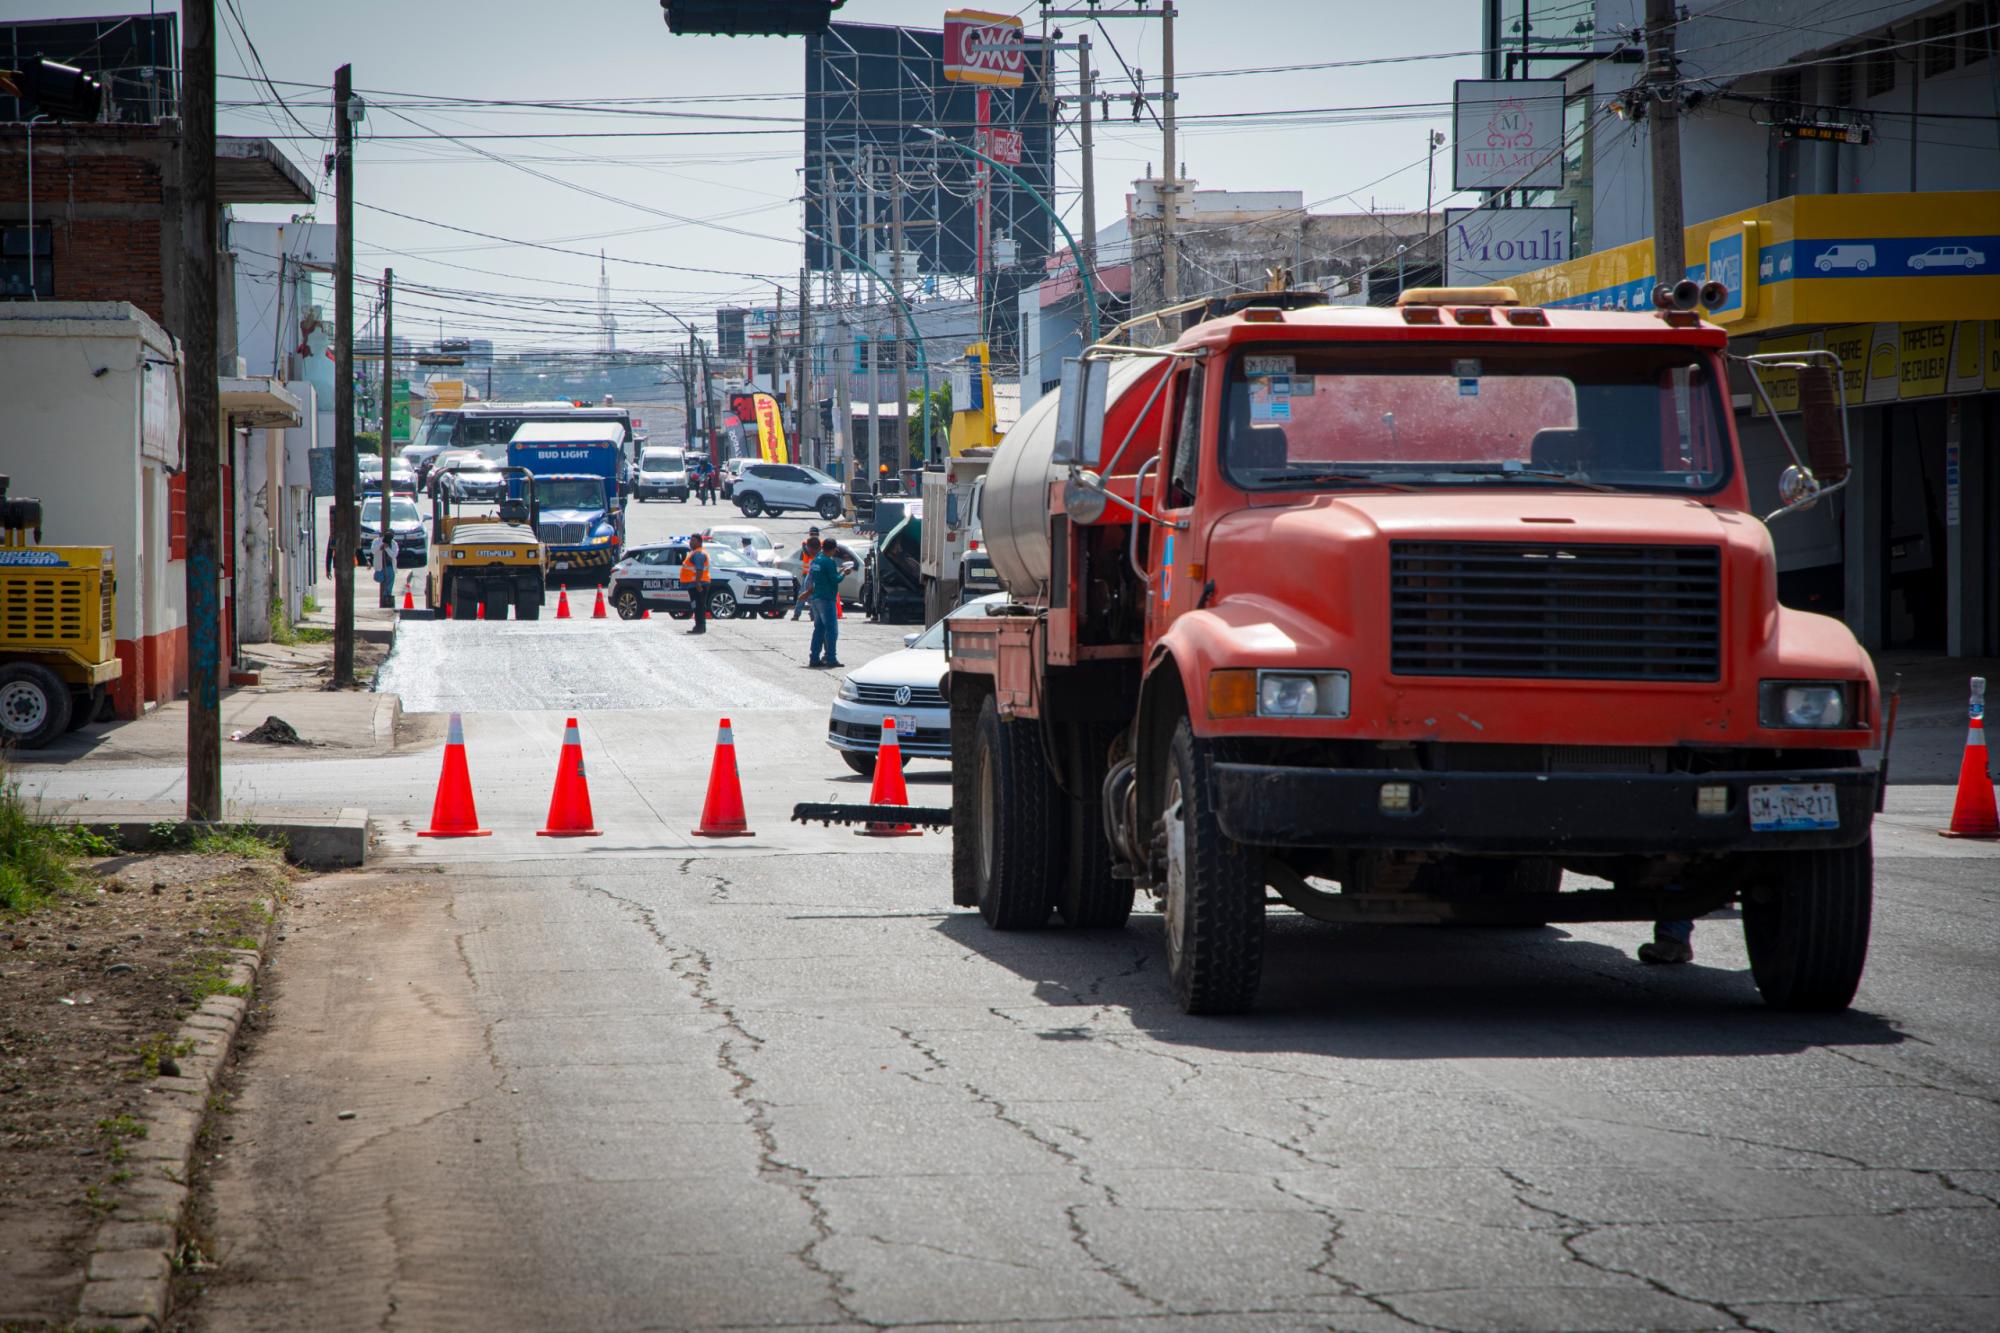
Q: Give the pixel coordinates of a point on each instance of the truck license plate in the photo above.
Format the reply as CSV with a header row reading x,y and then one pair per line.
x,y
562,564
1791,806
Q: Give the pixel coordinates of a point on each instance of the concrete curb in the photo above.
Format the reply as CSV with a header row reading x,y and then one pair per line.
x,y
315,841
388,712
128,1285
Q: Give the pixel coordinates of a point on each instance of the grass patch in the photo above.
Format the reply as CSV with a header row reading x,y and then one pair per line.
x,y
37,858
308,604
205,976
158,1049
282,631
217,840
312,634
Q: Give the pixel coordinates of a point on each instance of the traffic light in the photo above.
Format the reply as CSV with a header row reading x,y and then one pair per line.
x,y
826,416
749,18
60,92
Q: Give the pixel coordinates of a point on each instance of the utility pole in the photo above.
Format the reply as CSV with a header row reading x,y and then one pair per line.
x,y
902,360
687,390
874,365
777,368
202,419
707,417
388,374
1663,113
1170,187
839,451
1084,84
343,381
803,369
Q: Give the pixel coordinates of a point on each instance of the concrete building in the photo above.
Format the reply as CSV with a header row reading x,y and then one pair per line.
x,y
1880,244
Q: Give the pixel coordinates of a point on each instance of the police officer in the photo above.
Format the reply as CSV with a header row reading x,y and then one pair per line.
x,y
694,577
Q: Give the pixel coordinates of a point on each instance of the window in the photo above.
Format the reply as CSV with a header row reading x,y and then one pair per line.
x,y
1979,35
1629,418
1187,438
177,516
1842,87
1881,66
1940,44
19,253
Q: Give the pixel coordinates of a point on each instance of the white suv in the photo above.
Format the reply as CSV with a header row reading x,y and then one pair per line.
x,y
772,488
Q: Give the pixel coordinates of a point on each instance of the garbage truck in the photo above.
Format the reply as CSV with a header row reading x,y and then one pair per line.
x,y
1396,616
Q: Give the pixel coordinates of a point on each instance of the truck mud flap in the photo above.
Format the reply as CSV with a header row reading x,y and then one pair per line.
x,y
830,812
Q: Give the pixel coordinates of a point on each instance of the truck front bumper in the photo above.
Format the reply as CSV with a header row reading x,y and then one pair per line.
x,y
572,559
1598,814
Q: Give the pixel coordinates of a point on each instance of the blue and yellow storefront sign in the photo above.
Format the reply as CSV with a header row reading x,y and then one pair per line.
x,y
1896,362
1811,260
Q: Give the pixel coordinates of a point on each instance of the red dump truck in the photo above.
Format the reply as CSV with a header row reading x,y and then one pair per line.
x,y
1399,614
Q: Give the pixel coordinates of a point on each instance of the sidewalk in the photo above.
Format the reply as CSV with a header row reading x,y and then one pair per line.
x,y
291,685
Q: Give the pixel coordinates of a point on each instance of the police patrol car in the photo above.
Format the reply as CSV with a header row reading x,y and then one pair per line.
x,y
649,577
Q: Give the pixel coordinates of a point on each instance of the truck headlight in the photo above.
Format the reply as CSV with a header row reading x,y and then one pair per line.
x,y
1237,692
1803,704
849,690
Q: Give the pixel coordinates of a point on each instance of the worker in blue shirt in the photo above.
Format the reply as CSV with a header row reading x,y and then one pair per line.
x,y
823,577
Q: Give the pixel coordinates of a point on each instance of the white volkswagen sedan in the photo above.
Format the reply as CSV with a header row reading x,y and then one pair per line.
x,y
902,685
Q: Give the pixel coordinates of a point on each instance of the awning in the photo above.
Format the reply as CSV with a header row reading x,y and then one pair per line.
x,y
253,171
1812,260
259,401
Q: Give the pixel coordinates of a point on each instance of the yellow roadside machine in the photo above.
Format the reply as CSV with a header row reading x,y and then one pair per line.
x,y
58,629
484,562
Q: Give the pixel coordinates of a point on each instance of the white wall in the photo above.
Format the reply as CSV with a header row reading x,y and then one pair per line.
x,y
71,379
267,314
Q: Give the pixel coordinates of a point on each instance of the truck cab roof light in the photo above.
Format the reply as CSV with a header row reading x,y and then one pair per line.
x,y
1472,314
1263,314
1422,314
1529,315
1458,296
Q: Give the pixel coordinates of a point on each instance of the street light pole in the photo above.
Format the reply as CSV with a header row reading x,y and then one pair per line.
x,y
343,381
1083,272
203,414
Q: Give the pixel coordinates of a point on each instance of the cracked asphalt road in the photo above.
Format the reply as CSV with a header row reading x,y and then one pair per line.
x,y
644,1082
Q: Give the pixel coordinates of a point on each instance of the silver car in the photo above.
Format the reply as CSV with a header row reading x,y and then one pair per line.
x,y
903,685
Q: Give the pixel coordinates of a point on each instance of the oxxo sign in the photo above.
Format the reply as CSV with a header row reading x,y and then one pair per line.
x,y
984,48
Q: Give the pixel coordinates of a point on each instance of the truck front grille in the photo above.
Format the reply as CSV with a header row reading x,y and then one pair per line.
x,y
1584,611
563,534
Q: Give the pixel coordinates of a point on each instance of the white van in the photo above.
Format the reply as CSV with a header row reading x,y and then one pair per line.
x,y
662,475
1860,258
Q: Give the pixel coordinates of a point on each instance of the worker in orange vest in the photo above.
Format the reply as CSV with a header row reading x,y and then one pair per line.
x,y
694,577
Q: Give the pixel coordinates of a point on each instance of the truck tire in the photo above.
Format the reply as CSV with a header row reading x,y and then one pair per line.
x,y
1089,898
1215,891
829,508
1017,851
527,606
495,602
1807,932
464,600
35,705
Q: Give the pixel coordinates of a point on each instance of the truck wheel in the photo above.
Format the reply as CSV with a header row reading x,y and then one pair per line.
x,y
829,508
627,604
1017,851
464,601
1089,898
35,705
1215,892
1807,933
495,604
527,606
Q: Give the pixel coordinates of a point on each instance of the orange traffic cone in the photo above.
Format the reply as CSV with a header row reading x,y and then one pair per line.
x,y
409,600
481,614
569,807
453,814
722,813
597,612
645,613
447,610
888,788
562,604
838,614
1974,814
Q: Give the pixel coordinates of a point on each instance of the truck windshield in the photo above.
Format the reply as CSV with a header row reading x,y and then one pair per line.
x,y
1639,418
570,493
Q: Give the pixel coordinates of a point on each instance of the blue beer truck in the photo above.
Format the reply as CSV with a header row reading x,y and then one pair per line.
x,y
580,480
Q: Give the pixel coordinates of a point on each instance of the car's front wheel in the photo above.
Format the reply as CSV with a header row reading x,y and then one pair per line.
x,y
750,503
722,604
627,602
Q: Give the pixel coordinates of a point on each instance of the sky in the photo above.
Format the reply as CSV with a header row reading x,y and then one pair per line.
x,y
741,189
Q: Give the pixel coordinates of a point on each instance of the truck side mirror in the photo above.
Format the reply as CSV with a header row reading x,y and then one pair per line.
x,y
1820,418
1080,411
